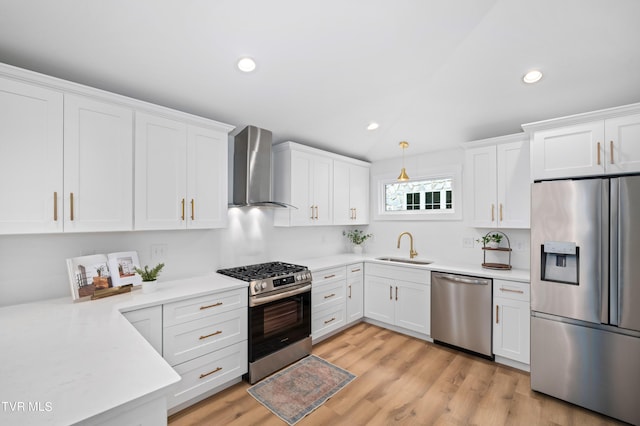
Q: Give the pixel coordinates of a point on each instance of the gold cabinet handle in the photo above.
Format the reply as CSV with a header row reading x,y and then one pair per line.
x,y
356,270
312,213
598,153
493,216
611,150
316,212
390,293
193,209
182,217
210,306
326,277
215,333
396,292
500,212
71,205
329,295
202,376
328,321
355,213
511,291
349,291
55,206
497,315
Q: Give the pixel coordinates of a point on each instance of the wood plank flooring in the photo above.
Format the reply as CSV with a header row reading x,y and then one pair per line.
x,y
404,381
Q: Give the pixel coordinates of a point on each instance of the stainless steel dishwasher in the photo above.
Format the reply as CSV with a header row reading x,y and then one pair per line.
x,y
461,312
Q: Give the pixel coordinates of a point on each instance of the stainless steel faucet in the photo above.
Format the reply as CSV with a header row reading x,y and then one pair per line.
x,y
412,252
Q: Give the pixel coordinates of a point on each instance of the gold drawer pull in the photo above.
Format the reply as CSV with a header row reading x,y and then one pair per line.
x,y
598,153
328,321
497,315
500,212
55,206
349,291
356,270
182,216
511,291
493,215
330,295
193,209
202,376
71,204
329,276
210,306
209,335
611,150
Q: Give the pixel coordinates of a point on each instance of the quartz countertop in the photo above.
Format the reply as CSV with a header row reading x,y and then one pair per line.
x,y
66,362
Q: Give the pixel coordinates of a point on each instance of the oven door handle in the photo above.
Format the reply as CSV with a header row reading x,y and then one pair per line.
x,y
257,301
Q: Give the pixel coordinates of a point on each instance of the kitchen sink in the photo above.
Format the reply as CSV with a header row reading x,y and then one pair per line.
x,y
403,260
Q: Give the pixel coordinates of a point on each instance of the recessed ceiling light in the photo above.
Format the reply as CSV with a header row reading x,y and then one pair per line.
x,y
246,64
373,126
532,76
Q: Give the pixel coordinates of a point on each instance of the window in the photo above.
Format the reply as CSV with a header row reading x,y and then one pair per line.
x,y
433,196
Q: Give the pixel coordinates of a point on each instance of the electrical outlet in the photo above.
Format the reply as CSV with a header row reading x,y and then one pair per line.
x,y
518,245
159,253
467,242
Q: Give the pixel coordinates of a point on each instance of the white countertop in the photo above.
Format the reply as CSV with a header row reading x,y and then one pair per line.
x,y
521,275
73,361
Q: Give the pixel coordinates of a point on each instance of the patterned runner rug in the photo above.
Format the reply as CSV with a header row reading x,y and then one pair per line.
x,y
299,389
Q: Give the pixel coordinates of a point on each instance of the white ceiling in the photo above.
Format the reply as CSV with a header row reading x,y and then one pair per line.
x,y
434,73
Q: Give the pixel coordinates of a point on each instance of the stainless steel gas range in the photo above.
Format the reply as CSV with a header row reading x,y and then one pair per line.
x,y
279,315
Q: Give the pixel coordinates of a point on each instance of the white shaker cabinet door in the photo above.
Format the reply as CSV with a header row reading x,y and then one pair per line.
x,y
98,166
622,144
481,186
31,150
378,299
206,178
413,306
514,186
160,173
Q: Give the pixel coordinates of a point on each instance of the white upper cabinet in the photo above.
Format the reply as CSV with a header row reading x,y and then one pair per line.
x,y
326,188
350,193
31,155
98,166
497,182
591,144
180,174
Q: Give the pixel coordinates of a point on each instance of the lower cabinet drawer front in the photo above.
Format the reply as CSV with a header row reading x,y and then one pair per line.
x,y
326,275
207,372
189,340
511,290
355,269
332,294
327,320
203,306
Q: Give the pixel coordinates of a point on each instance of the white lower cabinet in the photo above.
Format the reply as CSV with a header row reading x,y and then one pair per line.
x,y
328,306
205,341
511,319
355,292
398,296
148,322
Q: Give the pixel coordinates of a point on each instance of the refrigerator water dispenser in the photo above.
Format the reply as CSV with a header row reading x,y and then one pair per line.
x,y
560,260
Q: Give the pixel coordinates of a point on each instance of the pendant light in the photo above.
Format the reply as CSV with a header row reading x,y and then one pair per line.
x,y
403,174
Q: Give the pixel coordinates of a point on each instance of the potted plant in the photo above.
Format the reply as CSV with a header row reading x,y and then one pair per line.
x,y
357,238
491,240
149,277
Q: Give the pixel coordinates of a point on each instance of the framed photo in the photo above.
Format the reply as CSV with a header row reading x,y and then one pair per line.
x,y
88,274
122,265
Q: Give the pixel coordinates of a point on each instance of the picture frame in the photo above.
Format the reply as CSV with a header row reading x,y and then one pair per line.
x,y
123,264
88,274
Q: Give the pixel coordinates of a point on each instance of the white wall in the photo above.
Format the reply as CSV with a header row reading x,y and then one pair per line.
x,y
435,240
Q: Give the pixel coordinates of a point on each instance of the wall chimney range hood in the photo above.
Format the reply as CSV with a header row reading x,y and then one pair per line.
x,y
252,169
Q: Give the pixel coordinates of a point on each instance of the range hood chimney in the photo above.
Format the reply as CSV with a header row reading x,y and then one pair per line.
x,y
252,169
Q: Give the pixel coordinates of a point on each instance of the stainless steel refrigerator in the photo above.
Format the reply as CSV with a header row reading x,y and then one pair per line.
x,y
585,293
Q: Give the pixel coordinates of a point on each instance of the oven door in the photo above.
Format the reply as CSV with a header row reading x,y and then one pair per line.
x,y
278,323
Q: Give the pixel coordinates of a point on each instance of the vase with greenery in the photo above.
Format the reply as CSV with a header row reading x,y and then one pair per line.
x,y
357,238
149,277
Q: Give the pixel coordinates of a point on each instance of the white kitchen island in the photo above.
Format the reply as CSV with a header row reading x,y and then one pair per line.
x,y
64,363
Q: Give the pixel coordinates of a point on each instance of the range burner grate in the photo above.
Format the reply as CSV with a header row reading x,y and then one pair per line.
x,y
261,271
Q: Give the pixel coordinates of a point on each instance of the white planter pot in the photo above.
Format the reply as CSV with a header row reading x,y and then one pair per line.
x,y
149,286
357,249
493,244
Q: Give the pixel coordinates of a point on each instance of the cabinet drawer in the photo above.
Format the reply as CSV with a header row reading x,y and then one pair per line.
x,y
355,269
327,321
204,306
403,273
207,372
511,290
326,275
183,342
331,294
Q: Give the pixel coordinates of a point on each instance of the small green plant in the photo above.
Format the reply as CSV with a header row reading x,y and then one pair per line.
x,y
150,274
356,236
497,238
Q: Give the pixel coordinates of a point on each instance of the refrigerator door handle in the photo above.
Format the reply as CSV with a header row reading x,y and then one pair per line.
x,y
614,247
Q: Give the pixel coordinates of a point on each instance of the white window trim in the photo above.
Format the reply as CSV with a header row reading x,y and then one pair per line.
x,y
454,172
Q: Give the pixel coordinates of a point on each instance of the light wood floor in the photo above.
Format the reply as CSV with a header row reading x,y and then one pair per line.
x,y
402,380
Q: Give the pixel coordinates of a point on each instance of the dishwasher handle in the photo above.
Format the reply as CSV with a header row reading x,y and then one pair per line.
x,y
463,280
